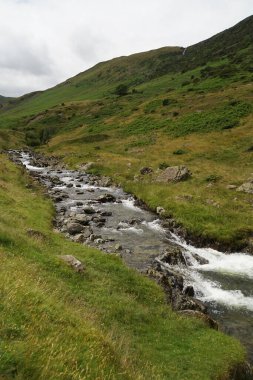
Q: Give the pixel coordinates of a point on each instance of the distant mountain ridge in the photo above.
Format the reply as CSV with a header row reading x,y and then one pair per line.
x,y
234,44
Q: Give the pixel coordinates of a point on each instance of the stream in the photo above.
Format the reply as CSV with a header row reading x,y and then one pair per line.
x,y
223,282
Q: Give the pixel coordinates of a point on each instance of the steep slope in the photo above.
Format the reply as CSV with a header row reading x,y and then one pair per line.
x,y
234,44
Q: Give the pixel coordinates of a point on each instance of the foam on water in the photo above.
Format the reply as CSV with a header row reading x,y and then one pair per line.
x,y
211,291
26,162
154,225
234,264
238,264
129,203
135,230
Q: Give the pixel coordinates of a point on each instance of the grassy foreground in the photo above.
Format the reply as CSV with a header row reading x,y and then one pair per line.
x,y
107,323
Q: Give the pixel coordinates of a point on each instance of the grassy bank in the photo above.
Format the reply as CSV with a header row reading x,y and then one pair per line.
x,y
204,205
107,323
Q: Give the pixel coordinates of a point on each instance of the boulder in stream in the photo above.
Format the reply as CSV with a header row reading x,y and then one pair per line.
x,y
173,256
74,228
81,238
106,198
200,260
88,210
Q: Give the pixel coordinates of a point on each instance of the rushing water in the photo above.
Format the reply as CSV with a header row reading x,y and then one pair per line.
x,y
224,283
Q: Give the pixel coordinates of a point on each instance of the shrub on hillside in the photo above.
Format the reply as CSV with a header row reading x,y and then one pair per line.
x,y
121,89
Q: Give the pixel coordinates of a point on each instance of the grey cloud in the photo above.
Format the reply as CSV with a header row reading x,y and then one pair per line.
x,y
44,42
17,53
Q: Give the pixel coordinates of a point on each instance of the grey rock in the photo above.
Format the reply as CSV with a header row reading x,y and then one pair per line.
x,y
173,256
246,187
106,198
160,210
73,262
174,174
89,210
74,228
81,218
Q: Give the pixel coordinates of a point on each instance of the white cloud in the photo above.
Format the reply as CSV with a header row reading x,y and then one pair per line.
x,y
44,42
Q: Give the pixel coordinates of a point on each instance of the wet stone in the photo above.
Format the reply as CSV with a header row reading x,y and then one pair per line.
x,y
88,210
74,228
106,198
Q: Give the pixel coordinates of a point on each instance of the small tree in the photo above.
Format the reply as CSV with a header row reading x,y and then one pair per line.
x,y
121,89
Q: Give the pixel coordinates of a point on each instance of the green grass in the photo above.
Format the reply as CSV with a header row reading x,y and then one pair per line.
x,y
108,323
225,117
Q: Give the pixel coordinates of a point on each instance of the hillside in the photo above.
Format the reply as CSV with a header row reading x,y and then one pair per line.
x,y
190,107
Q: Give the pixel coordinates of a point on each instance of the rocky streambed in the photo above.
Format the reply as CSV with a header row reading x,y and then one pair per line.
x,y
203,282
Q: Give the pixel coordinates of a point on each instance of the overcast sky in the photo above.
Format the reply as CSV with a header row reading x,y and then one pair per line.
x,y
43,42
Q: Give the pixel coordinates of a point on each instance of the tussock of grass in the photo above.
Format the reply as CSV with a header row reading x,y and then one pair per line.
x,y
107,323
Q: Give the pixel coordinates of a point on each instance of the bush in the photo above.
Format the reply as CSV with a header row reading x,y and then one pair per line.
x,y
179,151
213,178
166,102
163,165
121,89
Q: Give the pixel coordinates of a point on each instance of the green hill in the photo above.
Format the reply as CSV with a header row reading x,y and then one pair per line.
x,y
178,106
196,101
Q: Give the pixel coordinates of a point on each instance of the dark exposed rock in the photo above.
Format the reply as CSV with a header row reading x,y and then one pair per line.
x,y
173,284
106,213
106,198
181,301
189,291
173,256
146,170
241,372
200,260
